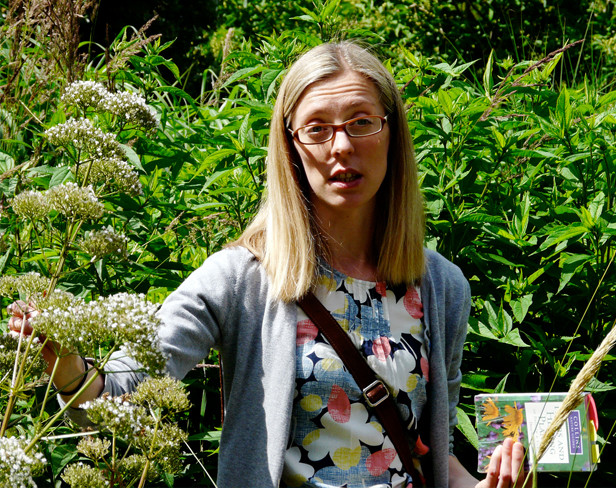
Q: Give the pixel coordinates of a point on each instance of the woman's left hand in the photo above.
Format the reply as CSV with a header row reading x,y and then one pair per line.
x,y
506,468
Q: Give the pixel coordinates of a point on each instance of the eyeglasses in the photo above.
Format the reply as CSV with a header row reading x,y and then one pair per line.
x,y
367,125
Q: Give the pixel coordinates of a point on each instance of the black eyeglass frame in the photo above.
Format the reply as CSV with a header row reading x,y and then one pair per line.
x,y
335,128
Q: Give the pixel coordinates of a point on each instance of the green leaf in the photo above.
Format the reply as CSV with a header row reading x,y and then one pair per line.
x,y
132,156
445,101
562,233
513,339
488,81
243,73
520,307
596,386
174,90
211,436
212,159
479,328
215,177
6,162
59,175
500,388
4,259
243,132
466,427
330,8
61,455
564,111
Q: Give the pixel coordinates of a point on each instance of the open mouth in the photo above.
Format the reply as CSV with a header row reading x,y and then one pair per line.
x,y
346,177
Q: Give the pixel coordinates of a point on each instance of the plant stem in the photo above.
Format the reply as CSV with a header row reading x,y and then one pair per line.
x,y
144,474
71,230
69,403
18,372
51,377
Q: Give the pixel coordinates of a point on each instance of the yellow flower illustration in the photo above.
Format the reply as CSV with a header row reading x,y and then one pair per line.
x,y
513,421
490,411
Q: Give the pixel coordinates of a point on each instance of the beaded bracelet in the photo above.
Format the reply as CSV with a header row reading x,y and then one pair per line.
x,y
81,383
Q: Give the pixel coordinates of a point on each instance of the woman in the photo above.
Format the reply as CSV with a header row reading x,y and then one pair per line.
x,y
342,217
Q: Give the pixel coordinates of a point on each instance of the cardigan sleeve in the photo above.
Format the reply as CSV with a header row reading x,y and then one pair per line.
x,y
192,318
446,310
456,328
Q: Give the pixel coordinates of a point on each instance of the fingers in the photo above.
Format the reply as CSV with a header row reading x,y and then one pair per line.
x,y
493,474
20,313
18,308
506,468
517,465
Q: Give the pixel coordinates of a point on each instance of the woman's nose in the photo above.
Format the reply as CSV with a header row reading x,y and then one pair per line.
x,y
341,142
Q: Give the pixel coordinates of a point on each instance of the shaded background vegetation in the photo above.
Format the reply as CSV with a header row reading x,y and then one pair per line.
x,y
513,124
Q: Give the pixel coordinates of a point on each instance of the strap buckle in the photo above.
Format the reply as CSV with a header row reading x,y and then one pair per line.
x,y
375,393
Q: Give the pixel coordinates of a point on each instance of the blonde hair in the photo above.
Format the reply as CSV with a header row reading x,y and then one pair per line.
x,y
284,236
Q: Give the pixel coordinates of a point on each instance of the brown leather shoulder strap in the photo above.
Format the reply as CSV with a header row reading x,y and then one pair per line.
x,y
374,390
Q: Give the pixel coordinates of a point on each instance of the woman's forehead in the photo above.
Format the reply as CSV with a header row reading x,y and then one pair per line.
x,y
344,91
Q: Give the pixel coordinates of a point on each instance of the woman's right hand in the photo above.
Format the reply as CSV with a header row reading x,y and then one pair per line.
x,y
71,367
19,323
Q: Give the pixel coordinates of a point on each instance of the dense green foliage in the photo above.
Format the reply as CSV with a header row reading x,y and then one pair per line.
x,y
514,136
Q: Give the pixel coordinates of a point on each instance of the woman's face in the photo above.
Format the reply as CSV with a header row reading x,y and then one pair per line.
x,y
344,173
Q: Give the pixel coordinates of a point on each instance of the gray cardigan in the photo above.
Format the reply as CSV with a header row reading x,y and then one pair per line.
x,y
225,305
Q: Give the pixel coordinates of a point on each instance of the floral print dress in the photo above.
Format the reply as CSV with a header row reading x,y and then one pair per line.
x,y
336,440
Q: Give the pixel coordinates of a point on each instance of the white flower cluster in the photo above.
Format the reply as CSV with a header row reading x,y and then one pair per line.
x,y
85,137
131,108
72,200
120,172
35,364
31,205
80,475
164,393
69,199
84,94
17,468
137,323
119,320
131,467
99,243
94,447
128,107
118,416
25,285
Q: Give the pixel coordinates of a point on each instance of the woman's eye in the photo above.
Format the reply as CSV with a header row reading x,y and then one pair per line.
x,y
362,122
314,129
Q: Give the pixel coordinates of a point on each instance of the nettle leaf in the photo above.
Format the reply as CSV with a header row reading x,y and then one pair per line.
x,y
564,111
467,428
476,381
499,321
444,98
132,156
562,233
244,129
513,339
500,388
478,328
595,208
61,455
488,81
59,175
596,386
242,74
213,158
520,307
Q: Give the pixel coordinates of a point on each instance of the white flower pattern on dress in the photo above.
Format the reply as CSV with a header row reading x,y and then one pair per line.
x,y
335,440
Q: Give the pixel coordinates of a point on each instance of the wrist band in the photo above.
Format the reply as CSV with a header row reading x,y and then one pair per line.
x,y
81,382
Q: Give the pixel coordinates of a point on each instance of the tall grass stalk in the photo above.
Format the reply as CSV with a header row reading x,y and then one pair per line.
x,y
575,395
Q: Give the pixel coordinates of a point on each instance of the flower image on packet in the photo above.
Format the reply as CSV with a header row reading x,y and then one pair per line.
x,y
525,417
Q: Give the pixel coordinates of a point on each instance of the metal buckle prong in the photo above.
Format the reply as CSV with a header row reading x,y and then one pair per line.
x,y
370,387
